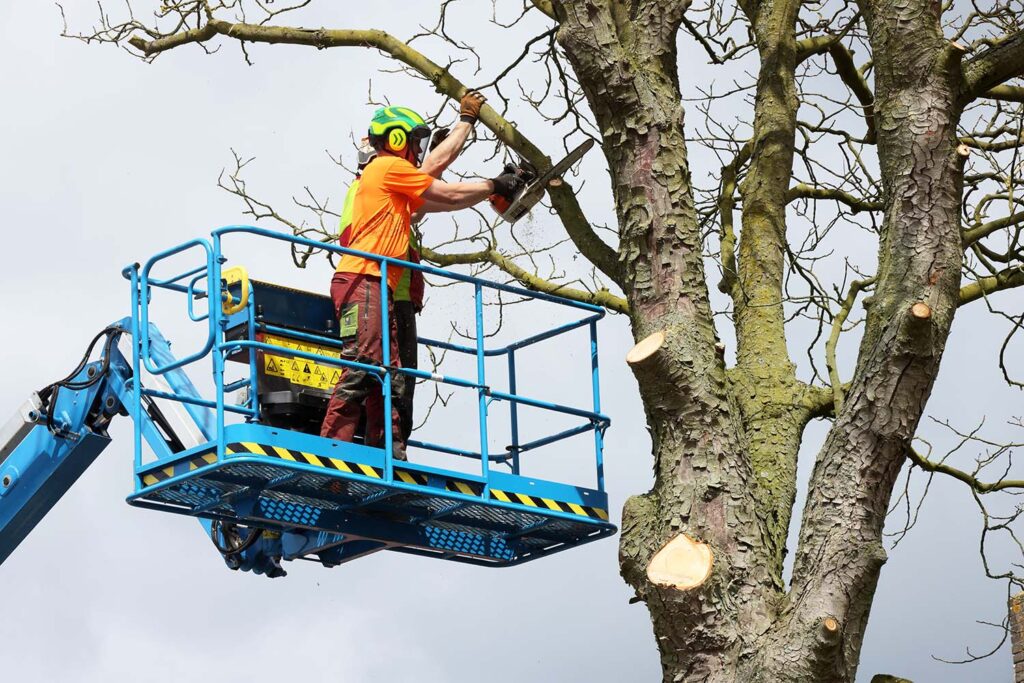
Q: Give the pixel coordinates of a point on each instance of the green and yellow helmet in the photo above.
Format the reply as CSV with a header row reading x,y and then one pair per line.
x,y
391,128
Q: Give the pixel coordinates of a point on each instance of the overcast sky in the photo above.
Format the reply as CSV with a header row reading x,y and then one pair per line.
x,y
105,160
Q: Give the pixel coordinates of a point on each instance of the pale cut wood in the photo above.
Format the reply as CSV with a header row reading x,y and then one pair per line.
x,y
646,347
682,563
921,310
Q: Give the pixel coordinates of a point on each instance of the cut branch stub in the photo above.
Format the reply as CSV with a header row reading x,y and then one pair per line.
x,y
829,631
921,311
682,563
646,348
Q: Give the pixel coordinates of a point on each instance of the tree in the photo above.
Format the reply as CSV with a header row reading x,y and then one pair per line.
x,y
914,146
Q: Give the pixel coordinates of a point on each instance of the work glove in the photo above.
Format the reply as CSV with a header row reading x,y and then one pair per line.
x,y
509,184
469,106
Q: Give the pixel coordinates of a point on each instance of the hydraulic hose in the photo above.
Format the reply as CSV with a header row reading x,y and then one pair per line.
x,y
48,394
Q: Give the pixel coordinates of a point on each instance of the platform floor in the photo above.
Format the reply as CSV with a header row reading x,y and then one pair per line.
x,y
335,497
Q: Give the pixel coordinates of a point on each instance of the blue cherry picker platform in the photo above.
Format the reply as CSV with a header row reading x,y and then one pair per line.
x,y
253,469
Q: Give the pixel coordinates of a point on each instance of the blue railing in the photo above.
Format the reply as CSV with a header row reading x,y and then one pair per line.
x,y
216,346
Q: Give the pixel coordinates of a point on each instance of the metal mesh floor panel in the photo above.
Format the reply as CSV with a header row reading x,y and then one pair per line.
x,y
292,498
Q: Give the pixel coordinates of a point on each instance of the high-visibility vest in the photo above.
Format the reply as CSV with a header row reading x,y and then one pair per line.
x,y
410,285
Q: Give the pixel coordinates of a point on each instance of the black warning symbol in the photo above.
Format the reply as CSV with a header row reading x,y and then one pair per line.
x,y
271,365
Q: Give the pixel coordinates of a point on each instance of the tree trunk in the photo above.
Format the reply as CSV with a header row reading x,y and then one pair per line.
x,y
840,552
626,62
725,445
1016,619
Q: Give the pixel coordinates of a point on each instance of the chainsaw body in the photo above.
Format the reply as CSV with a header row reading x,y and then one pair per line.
x,y
536,184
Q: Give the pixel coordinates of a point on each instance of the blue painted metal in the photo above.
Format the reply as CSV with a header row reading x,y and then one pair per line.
x,y
481,379
513,409
596,389
314,497
44,465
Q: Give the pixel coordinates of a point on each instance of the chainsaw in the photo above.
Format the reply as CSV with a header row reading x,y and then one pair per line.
x,y
533,191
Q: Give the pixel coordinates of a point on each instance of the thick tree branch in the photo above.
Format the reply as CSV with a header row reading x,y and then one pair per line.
x,y
726,204
1005,93
545,7
815,45
856,82
838,391
601,297
856,204
985,229
969,479
994,66
993,145
1008,278
563,199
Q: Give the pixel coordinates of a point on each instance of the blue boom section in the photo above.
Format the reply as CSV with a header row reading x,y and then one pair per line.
x,y
59,432
41,466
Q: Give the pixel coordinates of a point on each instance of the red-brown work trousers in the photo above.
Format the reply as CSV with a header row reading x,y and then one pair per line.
x,y
358,305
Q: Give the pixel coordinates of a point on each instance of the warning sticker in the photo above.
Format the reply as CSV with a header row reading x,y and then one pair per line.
x,y
300,370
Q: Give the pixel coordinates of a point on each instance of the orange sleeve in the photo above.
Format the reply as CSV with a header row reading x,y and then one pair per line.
x,y
405,179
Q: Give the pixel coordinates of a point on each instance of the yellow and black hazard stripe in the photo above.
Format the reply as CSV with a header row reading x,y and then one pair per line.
x,y
470,488
410,477
304,458
548,504
165,473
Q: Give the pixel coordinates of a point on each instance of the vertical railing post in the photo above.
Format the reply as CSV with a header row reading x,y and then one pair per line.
x,y
598,428
481,380
385,340
513,409
254,403
135,410
216,311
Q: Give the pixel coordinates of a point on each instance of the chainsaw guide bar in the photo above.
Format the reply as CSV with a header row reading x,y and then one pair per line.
x,y
534,192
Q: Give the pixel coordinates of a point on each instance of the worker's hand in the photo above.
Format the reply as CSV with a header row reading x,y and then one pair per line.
x,y
509,184
469,106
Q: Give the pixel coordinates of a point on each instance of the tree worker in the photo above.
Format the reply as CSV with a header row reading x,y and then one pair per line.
x,y
393,186
408,296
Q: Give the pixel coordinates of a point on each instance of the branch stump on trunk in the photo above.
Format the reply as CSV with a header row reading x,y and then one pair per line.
x,y
683,563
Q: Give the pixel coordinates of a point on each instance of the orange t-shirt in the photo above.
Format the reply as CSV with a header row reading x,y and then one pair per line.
x,y
389,193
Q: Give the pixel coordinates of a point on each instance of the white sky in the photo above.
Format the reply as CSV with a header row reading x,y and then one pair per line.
x,y
104,161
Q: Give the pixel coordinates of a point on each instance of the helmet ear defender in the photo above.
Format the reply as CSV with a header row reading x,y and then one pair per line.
x,y
397,140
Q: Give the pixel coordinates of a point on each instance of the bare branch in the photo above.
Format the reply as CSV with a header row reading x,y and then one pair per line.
x,y
563,198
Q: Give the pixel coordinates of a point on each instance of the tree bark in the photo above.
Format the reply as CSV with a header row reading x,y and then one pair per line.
x,y
1015,610
840,553
625,57
725,447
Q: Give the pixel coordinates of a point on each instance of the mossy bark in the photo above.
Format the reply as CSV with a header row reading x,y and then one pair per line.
x,y
918,100
725,442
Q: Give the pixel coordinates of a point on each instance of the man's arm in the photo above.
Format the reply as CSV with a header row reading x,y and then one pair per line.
x,y
448,151
442,196
445,153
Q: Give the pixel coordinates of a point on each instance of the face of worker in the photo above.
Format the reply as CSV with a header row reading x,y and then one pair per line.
x,y
414,153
